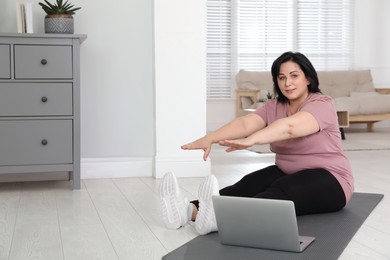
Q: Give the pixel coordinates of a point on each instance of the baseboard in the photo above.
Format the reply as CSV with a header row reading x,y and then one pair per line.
x,y
95,168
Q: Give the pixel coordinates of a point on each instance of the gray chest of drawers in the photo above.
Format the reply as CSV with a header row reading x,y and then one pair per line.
x,y
40,104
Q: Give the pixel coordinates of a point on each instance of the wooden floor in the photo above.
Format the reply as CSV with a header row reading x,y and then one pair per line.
x,y
120,218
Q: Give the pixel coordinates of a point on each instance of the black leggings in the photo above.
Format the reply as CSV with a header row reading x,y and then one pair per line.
x,y
311,190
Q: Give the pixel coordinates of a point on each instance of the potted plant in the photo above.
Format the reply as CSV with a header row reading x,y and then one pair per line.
x,y
269,95
59,18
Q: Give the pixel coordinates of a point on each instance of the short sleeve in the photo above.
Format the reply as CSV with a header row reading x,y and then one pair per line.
x,y
323,110
268,112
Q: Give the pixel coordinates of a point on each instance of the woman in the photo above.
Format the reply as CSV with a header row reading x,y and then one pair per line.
x,y
301,127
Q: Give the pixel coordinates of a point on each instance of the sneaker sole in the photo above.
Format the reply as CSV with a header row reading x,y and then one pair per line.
x,y
205,220
170,210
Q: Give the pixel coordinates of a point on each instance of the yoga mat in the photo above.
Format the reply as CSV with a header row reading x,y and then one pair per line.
x,y
333,231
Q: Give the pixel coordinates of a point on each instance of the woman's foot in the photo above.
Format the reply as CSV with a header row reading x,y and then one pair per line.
x,y
205,219
176,210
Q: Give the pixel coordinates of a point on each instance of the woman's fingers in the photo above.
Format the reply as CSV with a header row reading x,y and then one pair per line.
x,y
206,147
234,145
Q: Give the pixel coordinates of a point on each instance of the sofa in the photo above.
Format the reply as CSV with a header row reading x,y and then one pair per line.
x,y
353,91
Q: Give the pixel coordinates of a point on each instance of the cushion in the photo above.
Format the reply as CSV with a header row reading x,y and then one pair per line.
x,y
248,85
254,79
365,87
364,103
364,94
341,83
336,90
347,104
374,104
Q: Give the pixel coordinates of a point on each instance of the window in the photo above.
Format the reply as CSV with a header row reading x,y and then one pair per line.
x,y
250,34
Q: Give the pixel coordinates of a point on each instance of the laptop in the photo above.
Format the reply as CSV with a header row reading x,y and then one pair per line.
x,y
259,223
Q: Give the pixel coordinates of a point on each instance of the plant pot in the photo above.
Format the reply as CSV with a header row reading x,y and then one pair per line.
x,y
59,23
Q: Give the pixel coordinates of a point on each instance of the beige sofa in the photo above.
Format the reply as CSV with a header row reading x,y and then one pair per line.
x,y
352,91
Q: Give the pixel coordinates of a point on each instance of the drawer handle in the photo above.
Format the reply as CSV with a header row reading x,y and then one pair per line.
x,y
43,61
44,99
44,142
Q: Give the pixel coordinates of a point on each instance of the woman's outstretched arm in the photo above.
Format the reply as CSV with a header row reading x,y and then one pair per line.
x,y
239,128
301,124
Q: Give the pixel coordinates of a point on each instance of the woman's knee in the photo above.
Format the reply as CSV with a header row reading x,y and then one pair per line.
x,y
254,182
313,191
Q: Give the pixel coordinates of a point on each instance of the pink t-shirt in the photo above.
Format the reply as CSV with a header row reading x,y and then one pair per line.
x,y
319,150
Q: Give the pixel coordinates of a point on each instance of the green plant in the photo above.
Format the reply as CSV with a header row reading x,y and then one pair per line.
x,y
269,95
59,7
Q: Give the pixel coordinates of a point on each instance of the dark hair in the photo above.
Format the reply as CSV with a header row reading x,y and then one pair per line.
x,y
305,65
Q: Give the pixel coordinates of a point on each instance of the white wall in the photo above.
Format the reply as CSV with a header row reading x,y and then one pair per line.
x,y
180,85
372,41
219,112
117,74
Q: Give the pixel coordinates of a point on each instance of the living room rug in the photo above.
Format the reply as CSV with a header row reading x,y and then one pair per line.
x,y
333,231
355,140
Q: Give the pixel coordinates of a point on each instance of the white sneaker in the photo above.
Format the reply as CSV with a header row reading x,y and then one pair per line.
x,y
205,219
175,208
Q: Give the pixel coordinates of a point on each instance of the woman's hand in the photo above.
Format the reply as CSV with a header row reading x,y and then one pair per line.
x,y
203,143
238,144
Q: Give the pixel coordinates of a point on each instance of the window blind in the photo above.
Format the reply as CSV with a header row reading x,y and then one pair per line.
x,y
250,34
324,33
219,49
262,32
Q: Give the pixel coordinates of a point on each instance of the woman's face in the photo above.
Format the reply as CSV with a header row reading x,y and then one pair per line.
x,y
293,82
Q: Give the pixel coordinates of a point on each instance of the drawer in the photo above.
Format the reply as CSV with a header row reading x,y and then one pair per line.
x,y
5,61
43,62
33,142
36,99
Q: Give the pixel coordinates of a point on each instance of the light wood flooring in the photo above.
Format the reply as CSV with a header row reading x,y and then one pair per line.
x,y
120,218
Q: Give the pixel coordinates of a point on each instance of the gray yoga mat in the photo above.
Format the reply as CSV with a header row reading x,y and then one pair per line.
x,y
333,231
